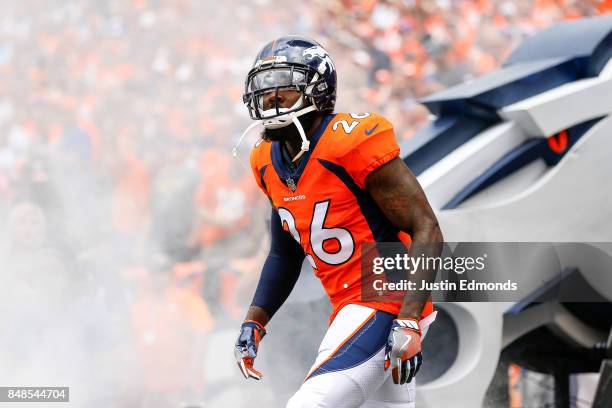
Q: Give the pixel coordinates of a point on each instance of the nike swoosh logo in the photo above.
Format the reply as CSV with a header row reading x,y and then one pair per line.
x,y
370,131
404,346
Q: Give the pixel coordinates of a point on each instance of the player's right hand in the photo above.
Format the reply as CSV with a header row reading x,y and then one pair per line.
x,y
251,333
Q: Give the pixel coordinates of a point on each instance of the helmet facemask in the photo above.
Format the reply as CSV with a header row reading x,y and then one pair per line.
x,y
275,79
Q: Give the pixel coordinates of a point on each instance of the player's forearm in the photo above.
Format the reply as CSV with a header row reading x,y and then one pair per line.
x,y
279,274
257,314
400,196
427,241
278,277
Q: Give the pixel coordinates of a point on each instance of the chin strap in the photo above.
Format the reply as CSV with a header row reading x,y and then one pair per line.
x,y
294,119
235,148
247,130
305,142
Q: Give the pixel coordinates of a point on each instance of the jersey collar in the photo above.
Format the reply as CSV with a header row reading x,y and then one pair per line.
x,y
288,177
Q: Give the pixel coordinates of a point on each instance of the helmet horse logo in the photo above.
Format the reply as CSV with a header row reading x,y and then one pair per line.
x,y
317,51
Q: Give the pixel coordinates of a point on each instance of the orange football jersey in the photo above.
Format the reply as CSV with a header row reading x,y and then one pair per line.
x,y
323,202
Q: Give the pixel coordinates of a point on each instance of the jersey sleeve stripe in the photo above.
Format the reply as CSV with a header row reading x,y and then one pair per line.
x,y
262,172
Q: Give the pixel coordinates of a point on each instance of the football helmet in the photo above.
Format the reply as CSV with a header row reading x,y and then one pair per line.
x,y
290,63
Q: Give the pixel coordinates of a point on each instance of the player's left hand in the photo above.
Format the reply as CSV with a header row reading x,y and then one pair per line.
x,y
403,350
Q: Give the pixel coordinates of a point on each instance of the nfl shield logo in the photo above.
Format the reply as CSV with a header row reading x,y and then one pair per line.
x,y
290,184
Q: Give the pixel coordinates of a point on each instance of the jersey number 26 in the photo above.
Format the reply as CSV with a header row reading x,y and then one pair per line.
x,y
319,235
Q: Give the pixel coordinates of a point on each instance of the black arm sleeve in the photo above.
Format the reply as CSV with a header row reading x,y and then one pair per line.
x,y
281,269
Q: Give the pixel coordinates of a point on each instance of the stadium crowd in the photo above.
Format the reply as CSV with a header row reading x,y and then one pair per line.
x,y
408,49
118,192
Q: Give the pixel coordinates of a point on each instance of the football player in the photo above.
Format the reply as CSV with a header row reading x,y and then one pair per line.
x,y
335,181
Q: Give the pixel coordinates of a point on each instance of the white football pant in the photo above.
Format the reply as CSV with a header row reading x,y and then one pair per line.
x,y
349,369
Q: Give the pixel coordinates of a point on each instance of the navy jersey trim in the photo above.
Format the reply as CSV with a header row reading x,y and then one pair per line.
x,y
381,228
277,155
262,172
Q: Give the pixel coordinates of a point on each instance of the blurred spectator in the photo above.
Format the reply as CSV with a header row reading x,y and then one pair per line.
x,y
37,270
170,321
